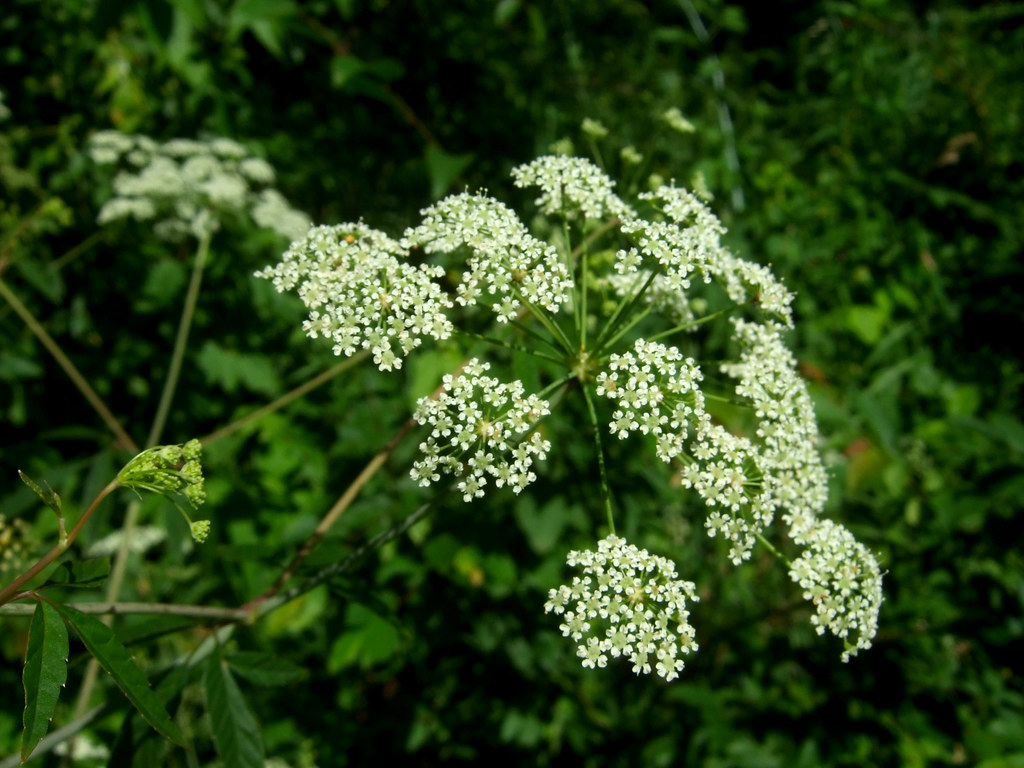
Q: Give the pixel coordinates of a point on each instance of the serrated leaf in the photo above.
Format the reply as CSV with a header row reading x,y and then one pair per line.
x,y
80,573
235,731
115,659
46,670
264,669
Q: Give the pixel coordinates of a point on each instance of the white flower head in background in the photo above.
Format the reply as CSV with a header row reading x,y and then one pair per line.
x,y
191,188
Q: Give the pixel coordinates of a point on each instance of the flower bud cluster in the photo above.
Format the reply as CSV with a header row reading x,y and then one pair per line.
x,y
362,293
506,265
14,553
480,428
627,603
171,470
191,187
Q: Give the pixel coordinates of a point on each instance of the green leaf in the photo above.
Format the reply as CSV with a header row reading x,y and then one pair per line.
x,y
46,669
112,656
229,369
49,496
266,19
265,669
444,169
344,68
235,730
80,573
368,639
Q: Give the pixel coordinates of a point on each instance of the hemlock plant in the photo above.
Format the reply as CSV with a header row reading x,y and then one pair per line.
x,y
604,303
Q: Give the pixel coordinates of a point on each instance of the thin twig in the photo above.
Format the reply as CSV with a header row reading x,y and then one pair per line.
x,y
87,391
333,514
160,609
7,592
285,399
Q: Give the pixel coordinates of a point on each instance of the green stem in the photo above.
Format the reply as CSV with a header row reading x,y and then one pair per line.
x,y
625,304
11,589
178,354
552,327
771,548
696,323
636,319
584,270
69,368
285,399
511,345
533,334
131,517
605,488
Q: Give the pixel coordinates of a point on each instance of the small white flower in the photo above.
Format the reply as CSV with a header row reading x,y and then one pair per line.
x,y
841,578
571,183
361,292
190,187
628,604
491,427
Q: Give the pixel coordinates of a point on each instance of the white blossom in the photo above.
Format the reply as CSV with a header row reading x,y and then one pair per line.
x,y
506,264
362,293
627,603
571,183
189,187
843,582
481,430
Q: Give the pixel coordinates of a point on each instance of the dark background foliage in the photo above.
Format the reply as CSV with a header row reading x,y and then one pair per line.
x,y
873,159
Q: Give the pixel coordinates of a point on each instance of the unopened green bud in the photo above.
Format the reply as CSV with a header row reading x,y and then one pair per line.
x,y
200,530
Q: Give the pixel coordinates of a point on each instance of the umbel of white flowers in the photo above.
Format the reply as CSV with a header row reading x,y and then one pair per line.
x,y
598,307
190,188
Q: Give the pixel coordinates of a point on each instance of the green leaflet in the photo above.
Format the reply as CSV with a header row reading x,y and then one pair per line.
x,y
80,573
235,730
264,668
46,669
112,656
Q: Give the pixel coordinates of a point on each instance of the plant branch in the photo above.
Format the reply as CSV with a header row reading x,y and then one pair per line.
x,y
87,391
11,589
161,609
285,399
178,354
333,514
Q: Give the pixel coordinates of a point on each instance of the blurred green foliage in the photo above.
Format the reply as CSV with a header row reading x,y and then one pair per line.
x,y
878,167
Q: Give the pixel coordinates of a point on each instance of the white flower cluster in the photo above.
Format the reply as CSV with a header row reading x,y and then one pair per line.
x,y
656,391
191,187
842,580
361,292
690,241
506,262
726,471
838,574
571,182
627,603
768,379
480,428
